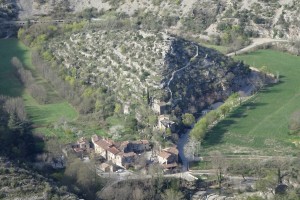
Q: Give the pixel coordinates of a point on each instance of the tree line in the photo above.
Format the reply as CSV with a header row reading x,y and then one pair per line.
x,y
38,92
16,140
201,127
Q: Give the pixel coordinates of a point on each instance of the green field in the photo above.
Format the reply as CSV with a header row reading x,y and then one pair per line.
x,y
41,115
260,126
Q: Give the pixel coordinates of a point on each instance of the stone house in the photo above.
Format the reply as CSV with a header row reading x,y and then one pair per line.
x,y
101,146
164,123
168,156
112,153
122,154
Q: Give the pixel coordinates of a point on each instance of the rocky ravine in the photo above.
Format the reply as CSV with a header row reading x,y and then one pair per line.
x,y
172,72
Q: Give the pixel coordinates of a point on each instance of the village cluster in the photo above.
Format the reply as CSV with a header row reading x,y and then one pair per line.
x,y
123,155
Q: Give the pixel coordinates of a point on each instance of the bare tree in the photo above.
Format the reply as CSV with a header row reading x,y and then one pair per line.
x,y
16,106
219,164
294,122
191,149
296,44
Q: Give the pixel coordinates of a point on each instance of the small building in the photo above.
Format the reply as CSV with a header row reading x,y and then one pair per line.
x,y
164,123
168,156
160,107
122,154
82,145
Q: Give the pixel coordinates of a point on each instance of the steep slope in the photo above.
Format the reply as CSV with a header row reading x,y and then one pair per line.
x,y
275,18
146,68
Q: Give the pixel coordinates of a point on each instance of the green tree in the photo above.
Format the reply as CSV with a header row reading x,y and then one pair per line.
x,y
224,109
199,130
188,119
118,108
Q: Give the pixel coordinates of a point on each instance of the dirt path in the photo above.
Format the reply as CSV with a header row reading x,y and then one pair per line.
x,y
174,73
256,42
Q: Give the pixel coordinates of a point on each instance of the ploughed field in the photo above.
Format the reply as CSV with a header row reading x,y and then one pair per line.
x,y
260,126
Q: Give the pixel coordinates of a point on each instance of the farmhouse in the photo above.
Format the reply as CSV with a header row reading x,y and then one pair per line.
x,y
168,156
101,146
122,154
112,153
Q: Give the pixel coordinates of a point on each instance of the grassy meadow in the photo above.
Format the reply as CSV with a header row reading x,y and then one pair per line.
x,y
260,126
42,115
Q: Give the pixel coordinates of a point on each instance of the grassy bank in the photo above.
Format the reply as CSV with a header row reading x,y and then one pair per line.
x,y
260,126
42,115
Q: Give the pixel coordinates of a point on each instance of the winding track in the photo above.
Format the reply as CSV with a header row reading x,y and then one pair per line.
x,y
173,74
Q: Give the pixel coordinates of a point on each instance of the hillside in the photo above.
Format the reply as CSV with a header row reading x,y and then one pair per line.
x,y
19,183
273,18
144,69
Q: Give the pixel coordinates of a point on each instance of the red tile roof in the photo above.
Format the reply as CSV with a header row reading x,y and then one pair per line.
x,y
113,150
164,154
103,144
172,150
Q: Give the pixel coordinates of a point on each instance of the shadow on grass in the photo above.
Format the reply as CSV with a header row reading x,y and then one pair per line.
x,y
216,134
16,144
9,83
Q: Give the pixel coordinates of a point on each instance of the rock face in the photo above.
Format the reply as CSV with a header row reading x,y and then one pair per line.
x,y
157,70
